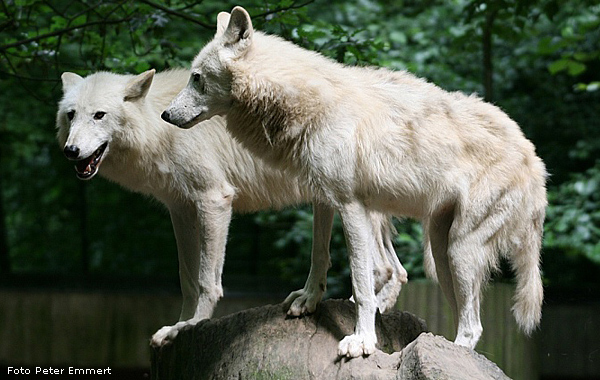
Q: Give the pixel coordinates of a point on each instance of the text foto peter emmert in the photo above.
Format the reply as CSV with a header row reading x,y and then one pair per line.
x,y
58,371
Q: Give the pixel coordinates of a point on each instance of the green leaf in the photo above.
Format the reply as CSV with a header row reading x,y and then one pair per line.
x,y
557,66
572,67
575,68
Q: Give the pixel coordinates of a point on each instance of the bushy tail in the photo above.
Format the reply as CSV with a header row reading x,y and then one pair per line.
x,y
529,295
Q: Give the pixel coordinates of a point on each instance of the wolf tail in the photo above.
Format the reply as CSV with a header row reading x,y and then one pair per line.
x,y
525,261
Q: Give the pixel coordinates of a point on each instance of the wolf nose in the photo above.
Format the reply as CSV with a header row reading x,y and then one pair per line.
x,y
71,152
166,116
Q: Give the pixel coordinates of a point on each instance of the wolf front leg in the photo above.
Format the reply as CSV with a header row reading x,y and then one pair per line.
x,y
201,229
360,239
305,300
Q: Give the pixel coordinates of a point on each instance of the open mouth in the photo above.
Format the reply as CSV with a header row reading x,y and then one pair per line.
x,y
88,167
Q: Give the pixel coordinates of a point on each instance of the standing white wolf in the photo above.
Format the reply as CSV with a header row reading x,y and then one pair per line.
x,y
113,121
373,139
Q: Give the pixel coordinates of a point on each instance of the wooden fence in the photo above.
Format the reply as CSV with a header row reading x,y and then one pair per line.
x,y
90,329
501,341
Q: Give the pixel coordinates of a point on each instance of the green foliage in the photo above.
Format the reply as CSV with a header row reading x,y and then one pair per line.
x,y
546,59
409,247
573,225
293,232
55,223
576,48
126,36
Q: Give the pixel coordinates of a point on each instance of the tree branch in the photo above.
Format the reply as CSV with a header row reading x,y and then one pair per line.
x,y
178,14
277,10
61,31
212,26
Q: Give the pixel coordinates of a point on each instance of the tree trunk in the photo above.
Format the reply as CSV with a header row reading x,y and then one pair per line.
x,y
5,266
488,65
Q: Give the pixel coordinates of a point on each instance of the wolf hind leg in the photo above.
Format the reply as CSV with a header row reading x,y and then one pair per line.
x,y
436,234
305,300
428,259
389,274
471,255
469,272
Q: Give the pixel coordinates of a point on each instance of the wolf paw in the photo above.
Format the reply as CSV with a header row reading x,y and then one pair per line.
x,y
356,345
302,302
402,275
167,334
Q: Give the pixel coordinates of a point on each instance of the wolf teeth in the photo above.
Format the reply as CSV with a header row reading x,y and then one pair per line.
x,y
91,162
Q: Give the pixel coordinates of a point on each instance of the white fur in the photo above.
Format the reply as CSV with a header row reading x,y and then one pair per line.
x,y
201,175
374,139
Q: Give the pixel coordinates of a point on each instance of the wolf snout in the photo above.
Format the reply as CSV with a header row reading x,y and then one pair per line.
x,y
166,116
71,152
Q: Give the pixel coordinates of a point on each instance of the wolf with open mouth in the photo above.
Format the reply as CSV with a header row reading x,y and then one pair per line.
x,y
88,152
201,175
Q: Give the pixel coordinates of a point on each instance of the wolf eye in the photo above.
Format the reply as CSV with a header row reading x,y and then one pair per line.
x,y
99,115
197,79
70,115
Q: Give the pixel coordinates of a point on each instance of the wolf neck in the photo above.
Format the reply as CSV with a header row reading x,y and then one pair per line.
x,y
143,140
134,154
275,103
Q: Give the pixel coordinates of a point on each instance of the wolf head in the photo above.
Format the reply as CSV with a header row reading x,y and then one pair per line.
x,y
208,91
90,114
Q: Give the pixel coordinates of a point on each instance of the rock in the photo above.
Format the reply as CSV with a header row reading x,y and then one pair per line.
x,y
433,357
262,343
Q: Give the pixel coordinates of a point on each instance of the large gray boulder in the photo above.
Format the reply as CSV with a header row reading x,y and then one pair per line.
x,y
262,343
432,357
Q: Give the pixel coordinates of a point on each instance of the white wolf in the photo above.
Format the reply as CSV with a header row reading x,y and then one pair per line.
x,y
113,121
373,139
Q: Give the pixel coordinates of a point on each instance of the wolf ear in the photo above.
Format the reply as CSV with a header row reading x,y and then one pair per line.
x,y
138,87
69,80
239,29
222,22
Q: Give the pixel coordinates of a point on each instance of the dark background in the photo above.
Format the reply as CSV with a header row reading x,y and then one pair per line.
x,y
538,60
